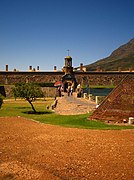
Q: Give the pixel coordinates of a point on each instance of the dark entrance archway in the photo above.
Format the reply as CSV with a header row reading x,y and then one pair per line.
x,y
65,86
69,80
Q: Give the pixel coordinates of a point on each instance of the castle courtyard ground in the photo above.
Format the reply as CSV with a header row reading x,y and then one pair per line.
x,y
32,150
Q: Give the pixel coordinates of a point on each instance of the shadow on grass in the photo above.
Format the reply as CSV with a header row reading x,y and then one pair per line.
x,y
22,107
38,112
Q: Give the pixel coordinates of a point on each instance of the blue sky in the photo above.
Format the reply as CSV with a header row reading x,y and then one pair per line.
x,y
39,32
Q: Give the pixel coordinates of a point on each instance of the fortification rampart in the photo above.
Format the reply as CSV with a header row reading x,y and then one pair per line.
x,y
11,78
8,79
101,78
83,78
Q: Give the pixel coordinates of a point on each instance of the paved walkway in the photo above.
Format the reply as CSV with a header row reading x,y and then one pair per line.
x,y
71,105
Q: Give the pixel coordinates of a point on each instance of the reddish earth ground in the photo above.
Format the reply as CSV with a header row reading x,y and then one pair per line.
x,y
31,150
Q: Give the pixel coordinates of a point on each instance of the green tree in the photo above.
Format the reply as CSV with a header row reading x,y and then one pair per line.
x,y
28,91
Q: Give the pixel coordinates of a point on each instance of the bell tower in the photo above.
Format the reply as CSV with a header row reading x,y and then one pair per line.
x,y
68,69
68,79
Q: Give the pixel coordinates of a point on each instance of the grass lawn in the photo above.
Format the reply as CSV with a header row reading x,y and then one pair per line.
x,y
12,108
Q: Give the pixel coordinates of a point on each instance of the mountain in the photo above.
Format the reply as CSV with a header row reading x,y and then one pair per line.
x,y
122,58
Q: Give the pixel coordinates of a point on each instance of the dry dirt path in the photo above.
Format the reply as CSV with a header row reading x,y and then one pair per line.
x,y
31,150
71,105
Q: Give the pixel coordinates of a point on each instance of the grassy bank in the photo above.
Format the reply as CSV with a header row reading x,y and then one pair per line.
x,y
21,108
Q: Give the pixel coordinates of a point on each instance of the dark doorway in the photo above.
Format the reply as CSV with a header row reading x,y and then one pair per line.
x,y
68,80
65,87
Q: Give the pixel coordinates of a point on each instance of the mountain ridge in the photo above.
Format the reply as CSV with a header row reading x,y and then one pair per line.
x,y
121,58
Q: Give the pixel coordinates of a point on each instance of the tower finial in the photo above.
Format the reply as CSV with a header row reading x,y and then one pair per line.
x,y
68,51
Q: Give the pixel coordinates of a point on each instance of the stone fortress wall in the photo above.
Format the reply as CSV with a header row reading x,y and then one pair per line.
x,y
101,78
12,78
83,78
8,79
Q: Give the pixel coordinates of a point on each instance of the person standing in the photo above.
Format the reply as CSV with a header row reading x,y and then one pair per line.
x,y
71,91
